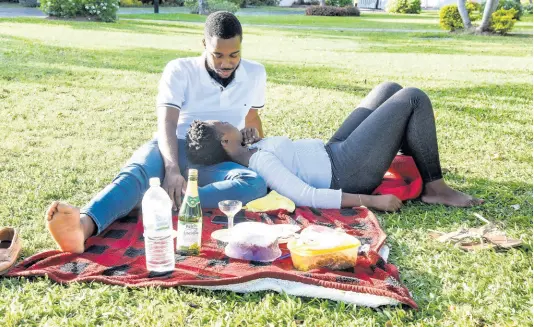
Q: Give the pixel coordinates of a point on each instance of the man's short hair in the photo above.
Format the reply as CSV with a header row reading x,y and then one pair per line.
x,y
223,25
203,144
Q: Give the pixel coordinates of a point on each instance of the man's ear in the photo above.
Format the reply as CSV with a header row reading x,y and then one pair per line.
x,y
204,43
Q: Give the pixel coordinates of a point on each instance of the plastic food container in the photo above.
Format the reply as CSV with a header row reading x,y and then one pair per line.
x,y
256,241
323,247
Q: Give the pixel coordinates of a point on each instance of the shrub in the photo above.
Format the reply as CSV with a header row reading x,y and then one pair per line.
x,y
212,6
508,4
332,11
218,5
502,20
238,3
474,10
404,6
450,19
338,3
62,8
171,3
130,3
527,9
192,5
263,2
103,10
512,4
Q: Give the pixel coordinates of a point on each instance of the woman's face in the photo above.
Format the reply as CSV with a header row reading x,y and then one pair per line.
x,y
231,137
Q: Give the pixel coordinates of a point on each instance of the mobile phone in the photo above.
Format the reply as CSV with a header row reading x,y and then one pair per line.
x,y
223,220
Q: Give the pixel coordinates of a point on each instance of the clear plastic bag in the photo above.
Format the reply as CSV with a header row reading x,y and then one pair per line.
x,y
257,241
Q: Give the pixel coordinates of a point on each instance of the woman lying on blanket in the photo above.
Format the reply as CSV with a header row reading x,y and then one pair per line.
x,y
345,171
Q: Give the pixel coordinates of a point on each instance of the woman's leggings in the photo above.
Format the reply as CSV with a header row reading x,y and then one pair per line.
x,y
389,119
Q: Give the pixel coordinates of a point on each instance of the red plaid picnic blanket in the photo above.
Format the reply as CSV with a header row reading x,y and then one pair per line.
x,y
117,256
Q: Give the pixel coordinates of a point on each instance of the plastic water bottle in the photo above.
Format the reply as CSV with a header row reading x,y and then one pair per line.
x,y
157,224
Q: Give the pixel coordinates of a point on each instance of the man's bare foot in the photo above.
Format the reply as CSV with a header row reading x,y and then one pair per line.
x,y
68,229
437,192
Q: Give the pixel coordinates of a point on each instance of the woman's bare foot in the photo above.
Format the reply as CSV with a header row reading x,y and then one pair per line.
x,y
437,192
67,227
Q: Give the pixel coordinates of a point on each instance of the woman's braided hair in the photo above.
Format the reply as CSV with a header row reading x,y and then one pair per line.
x,y
203,144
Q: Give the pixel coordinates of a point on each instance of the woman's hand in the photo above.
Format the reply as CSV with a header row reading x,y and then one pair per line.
x,y
386,202
250,135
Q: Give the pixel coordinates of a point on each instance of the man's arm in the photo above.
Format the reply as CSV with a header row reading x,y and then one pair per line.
x,y
253,120
173,183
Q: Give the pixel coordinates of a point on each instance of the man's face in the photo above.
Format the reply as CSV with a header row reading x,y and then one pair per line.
x,y
223,55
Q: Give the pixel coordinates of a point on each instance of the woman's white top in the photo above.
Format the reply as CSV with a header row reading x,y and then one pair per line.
x,y
300,170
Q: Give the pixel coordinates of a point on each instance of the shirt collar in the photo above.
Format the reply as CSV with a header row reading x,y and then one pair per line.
x,y
205,78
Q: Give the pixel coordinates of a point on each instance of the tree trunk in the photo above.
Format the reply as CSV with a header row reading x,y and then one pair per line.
x,y
323,3
464,14
491,6
202,7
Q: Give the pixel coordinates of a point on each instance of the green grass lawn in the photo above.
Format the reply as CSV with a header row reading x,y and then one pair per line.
x,y
76,99
427,20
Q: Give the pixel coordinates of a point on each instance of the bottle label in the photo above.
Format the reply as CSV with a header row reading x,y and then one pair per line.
x,y
193,201
161,223
188,240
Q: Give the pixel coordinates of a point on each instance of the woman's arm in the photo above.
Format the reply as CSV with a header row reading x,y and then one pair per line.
x,y
385,202
283,181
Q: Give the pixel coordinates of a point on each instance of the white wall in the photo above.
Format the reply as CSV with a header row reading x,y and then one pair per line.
x,y
286,3
439,3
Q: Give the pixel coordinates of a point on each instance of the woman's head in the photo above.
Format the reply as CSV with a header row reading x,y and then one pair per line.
x,y
212,141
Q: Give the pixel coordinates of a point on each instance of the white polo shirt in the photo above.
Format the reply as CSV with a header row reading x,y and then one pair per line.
x,y
187,86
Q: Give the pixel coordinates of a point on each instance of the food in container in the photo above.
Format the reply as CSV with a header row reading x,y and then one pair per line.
x,y
323,247
256,241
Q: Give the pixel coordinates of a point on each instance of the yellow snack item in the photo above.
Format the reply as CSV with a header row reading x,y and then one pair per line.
x,y
272,201
323,247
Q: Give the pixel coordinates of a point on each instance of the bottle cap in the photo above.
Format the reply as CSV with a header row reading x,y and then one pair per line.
x,y
193,172
154,181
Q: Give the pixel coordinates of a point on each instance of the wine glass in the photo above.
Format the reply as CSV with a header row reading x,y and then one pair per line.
x,y
230,208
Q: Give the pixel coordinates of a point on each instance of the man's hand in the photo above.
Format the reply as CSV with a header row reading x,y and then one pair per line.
x,y
250,135
175,185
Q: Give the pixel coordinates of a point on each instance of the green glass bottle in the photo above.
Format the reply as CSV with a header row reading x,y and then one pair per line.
x,y
190,219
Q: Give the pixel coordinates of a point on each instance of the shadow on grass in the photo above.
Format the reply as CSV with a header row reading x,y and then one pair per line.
x,y
21,54
27,61
146,60
501,99
498,198
124,26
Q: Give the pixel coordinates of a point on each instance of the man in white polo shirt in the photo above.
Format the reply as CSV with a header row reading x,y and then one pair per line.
x,y
218,85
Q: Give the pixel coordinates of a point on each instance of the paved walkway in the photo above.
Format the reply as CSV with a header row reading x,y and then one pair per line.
x,y
9,11
305,27
241,12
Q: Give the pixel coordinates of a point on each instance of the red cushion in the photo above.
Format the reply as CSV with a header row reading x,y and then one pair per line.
x,y
402,179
